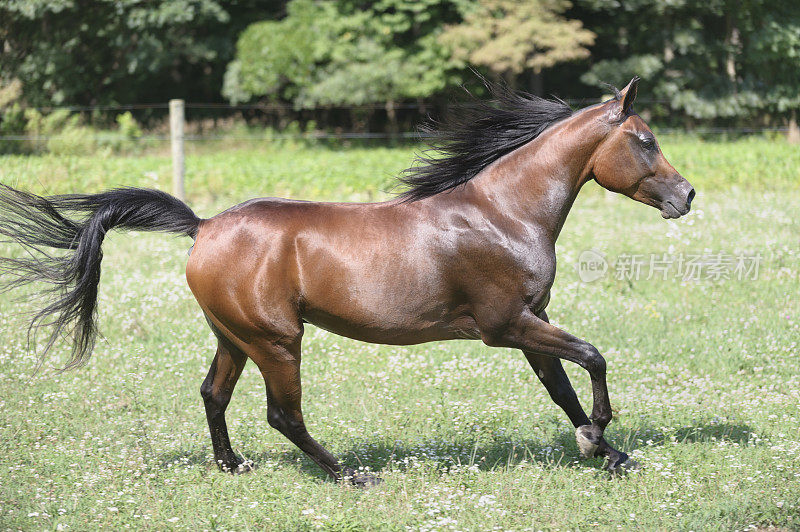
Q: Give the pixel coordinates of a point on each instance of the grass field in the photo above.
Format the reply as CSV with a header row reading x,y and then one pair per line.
x,y
704,374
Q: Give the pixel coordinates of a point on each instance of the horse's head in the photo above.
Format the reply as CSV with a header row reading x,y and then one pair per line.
x,y
630,162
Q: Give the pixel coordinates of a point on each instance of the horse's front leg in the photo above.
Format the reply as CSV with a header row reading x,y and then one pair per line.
x,y
543,344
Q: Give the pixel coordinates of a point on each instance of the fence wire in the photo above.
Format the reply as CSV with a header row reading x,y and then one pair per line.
x,y
405,135
274,134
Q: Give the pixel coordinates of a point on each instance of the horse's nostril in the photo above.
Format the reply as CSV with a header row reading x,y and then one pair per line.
x,y
690,197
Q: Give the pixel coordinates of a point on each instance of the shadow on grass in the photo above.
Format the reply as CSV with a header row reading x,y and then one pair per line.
x,y
440,455
633,438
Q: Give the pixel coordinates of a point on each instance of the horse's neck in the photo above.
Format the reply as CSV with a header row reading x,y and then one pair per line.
x,y
538,182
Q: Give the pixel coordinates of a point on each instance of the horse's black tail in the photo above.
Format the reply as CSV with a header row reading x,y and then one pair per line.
x,y
77,223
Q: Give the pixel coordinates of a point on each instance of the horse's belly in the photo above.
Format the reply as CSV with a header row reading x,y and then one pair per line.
x,y
398,312
388,330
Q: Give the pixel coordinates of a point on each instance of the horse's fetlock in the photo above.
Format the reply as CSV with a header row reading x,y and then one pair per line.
x,y
603,420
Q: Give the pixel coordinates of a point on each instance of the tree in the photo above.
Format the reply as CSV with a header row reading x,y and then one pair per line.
x,y
509,37
355,52
274,59
120,51
725,60
344,53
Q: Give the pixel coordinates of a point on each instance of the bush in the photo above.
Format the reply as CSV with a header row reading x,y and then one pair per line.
x,y
125,138
128,127
75,140
63,133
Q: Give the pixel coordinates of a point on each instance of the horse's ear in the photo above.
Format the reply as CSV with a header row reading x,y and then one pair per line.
x,y
628,95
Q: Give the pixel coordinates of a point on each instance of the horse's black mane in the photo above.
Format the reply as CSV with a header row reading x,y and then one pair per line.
x,y
476,135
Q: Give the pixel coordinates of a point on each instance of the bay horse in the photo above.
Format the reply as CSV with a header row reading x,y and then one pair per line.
x,y
466,251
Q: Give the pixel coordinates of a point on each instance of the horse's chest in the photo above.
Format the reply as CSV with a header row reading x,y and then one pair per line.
x,y
505,276
535,268
537,273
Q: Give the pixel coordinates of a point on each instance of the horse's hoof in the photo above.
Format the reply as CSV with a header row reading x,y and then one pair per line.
x,y
617,463
360,480
629,466
366,481
246,466
238,467
625,467
586,441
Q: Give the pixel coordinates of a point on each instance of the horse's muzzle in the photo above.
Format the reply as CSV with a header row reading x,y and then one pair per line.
x,y
678,206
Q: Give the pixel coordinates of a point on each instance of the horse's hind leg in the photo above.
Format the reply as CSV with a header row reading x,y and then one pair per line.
x,y
216,391
279,364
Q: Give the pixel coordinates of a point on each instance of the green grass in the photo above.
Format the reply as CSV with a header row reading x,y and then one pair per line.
x,y
215,179
704,376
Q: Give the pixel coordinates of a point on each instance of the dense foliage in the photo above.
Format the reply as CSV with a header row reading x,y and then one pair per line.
x,y
68,52
706,59
731,62
343,53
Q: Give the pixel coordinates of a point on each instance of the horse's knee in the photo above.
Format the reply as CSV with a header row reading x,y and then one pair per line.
x,y
216,401
205,391
284,423
593,361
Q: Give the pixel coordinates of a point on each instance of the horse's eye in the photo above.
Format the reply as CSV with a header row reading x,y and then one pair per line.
x,y
649,143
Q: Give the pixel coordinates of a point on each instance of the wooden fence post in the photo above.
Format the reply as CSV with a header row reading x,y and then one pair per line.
x,y
793,134
176,120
